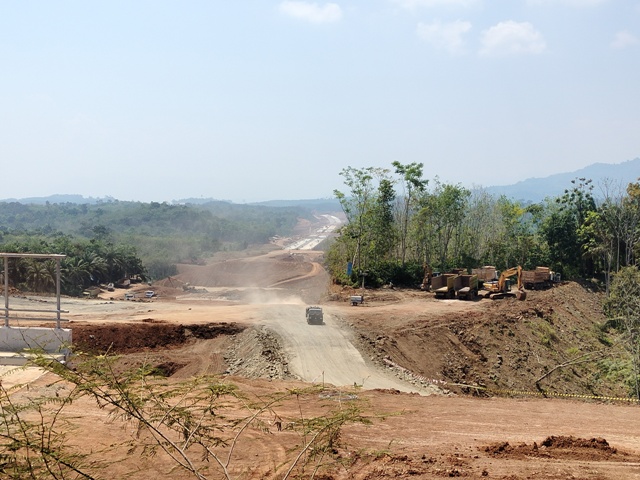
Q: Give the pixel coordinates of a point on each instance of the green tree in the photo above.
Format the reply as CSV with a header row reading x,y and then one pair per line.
x,y
623,306
41,276
382,223
76,274
414,185
359,206
598,241
561,230
442,213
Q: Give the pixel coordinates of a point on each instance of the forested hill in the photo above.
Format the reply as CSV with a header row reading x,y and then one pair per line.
x,y
220,220
162,234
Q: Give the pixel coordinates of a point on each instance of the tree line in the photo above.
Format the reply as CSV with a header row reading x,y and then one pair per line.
x,y
108,241
398,222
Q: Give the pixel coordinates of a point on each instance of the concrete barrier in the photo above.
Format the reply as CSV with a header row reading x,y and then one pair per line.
x,y
16,342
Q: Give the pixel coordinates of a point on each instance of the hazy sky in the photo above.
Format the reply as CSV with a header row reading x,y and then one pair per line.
x,y
251,100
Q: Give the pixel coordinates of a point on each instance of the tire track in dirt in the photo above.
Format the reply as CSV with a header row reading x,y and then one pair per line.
x,y
316,269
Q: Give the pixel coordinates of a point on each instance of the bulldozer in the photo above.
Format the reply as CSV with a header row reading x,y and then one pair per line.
x,y
501,288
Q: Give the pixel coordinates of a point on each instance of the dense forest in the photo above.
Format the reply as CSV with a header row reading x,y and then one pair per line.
x,y
399,222
107,241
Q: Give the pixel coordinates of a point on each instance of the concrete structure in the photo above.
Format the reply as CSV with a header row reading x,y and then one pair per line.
x,y
17,343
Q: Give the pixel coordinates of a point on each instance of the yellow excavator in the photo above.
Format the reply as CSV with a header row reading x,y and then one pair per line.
x,y
501,288
426,281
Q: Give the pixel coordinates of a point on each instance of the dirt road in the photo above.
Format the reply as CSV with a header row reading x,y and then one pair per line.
x,y
324,353
315,353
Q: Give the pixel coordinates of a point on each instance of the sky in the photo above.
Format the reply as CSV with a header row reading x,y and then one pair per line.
x,y
255,100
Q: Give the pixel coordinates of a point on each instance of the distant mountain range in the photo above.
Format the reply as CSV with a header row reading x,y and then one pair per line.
x,y
537,189
531,190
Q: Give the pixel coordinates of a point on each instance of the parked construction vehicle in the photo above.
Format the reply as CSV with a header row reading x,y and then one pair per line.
x,y
426,281
541,277
446,285
469,287
487,273
501,288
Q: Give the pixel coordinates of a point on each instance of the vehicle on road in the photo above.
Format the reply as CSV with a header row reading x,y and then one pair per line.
x,y
314,316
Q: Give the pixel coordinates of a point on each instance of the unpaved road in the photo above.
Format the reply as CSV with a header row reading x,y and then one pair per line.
x,y
316,353
324,353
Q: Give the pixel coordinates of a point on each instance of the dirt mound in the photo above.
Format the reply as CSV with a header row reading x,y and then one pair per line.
x,y
257,353
561,447
149,335
549,344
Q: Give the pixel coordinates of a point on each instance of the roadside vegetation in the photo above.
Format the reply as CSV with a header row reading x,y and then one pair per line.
x,y
399,222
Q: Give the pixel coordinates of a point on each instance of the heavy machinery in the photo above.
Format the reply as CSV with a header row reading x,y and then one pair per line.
x,y
446,285
469,288
540,278
426,281
501,288
314,316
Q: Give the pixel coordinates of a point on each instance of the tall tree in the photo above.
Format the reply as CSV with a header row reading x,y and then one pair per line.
x,y
443,211
384,230
561,229
359,208
413,184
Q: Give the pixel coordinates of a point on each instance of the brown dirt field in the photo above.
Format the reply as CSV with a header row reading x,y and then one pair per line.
x,y
483,354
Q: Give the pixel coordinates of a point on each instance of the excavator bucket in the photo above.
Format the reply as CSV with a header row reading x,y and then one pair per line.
x,y
521,295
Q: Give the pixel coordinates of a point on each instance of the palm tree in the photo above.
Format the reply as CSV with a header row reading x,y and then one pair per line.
x,y
76,274
96,265
114,262
40,275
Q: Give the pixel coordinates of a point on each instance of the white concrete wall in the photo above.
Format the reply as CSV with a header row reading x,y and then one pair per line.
x,y
50,340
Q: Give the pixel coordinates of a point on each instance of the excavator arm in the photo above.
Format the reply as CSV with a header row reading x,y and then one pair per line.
x,y
521,294
426,281
502,281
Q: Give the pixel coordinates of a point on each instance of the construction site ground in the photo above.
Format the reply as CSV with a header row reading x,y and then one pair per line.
x,y
474,389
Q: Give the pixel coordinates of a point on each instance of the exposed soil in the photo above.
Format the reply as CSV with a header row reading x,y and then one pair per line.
x,y
491,363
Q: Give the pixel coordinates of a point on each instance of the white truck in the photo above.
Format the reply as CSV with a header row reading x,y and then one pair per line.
x,y
357,299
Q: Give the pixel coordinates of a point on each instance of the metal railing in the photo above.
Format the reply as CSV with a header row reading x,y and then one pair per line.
x,y
7,310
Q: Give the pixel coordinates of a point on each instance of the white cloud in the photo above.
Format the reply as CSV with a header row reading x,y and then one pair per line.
x,y
624,39
570,3
447,36
312,12
508,38
435,3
